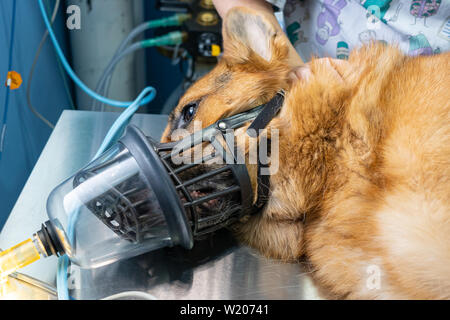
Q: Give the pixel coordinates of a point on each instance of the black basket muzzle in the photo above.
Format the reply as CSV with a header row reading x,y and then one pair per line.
x,y
163,194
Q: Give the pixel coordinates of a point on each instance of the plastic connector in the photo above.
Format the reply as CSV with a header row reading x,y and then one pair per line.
x,y
17,257
170,39
172,21
45,243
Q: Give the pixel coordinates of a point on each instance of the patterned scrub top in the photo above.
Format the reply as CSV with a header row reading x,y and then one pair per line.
x,y
332,28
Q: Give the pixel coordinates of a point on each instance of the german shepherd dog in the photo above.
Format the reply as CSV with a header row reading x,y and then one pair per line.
x,y
363,186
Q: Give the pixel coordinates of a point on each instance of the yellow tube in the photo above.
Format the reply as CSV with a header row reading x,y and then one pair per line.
x,y
17,257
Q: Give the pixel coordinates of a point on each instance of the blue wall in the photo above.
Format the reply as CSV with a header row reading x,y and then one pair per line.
x,y
26,135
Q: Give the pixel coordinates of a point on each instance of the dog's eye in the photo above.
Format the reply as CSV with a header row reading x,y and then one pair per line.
x,y
188,112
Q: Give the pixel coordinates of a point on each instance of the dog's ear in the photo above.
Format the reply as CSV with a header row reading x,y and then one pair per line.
x,y
252,36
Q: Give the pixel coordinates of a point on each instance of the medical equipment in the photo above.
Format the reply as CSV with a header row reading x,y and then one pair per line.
x,y
204,29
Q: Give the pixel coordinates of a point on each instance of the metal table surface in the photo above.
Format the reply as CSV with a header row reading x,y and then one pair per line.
x,y
217,268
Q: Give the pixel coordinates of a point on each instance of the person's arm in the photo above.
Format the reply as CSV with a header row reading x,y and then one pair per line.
x,y
223,6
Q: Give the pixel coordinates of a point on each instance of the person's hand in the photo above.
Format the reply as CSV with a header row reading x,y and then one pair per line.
x,y
223,6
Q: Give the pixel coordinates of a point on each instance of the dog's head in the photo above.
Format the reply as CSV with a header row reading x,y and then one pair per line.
x,y
254,67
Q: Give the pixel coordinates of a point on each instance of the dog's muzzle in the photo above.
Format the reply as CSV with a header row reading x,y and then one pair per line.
x,y
150,194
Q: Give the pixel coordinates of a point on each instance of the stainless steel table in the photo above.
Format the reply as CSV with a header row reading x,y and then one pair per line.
x,y
217,268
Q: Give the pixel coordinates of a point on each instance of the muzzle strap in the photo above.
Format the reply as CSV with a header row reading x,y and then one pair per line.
x,y
267,114
269,111
263,188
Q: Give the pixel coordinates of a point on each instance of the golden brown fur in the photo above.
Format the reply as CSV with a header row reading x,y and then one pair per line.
x,y
363,186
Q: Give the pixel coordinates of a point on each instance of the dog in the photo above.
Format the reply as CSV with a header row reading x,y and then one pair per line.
x,y
363,186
